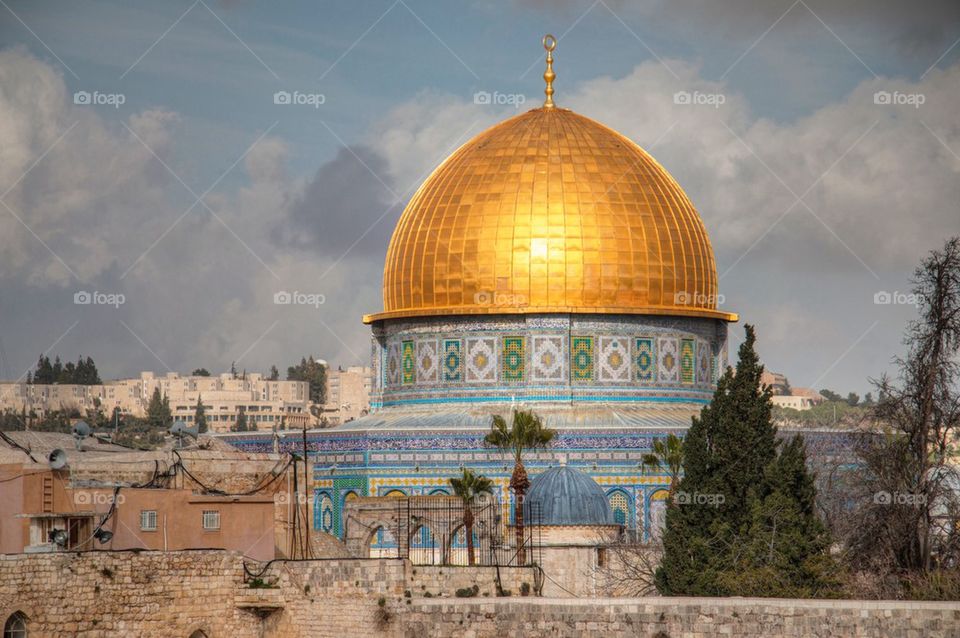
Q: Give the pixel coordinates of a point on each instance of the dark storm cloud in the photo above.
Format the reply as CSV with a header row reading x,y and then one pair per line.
x,y
348,208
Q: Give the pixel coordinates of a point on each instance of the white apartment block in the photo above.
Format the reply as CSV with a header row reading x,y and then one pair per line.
x,y
348,394
267,404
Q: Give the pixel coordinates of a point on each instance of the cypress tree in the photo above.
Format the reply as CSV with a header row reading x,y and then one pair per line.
x,y
739,497
200,417
241,424
158,411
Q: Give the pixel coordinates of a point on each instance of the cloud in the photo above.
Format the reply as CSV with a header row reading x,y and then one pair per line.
x,y
882,188
198,285
867,171
347,210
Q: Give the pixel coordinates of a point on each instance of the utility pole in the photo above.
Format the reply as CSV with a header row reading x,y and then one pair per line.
x,y
306,495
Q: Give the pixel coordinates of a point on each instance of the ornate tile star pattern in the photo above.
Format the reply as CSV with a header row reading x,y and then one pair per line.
x,y
393,364
409,365
452,369
581,358
514,355
548,360
427,361
644,356
481,359
703,363
668,365
614,359
687,365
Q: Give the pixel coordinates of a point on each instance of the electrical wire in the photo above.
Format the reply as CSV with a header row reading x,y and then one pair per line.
x,y
218,492
13,443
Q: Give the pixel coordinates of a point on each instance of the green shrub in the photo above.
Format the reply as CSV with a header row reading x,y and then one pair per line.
x,y
468,592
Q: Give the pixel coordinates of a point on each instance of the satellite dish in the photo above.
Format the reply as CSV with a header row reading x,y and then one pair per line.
x,y
103,536
58,537
57,459
80,431
179,429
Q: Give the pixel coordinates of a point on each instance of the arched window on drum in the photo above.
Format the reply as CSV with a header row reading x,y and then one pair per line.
x,y
620,506
658,514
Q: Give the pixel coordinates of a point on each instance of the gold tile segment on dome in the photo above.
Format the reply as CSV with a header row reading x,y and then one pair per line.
x,y
549,212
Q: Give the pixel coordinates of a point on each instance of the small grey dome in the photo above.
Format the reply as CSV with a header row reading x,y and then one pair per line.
x,y
565,496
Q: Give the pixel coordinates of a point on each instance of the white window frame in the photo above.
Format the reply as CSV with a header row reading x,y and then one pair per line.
x,y
211,520
145,516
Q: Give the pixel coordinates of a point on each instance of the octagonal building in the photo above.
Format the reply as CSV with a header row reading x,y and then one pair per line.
x,y
549,264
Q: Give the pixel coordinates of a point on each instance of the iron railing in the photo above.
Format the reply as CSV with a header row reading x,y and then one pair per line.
x,y
431,531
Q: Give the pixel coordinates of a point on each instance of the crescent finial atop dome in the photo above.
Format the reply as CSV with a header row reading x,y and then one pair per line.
x,y
549,43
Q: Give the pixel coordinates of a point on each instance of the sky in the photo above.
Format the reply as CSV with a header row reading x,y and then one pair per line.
x,y
156,191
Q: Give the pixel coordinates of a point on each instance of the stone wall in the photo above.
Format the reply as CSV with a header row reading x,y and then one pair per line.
x,y
123,593
679,617
445,581
96,594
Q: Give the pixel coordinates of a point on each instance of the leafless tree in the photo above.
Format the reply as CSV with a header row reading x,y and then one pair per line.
x,y
905,486
628,568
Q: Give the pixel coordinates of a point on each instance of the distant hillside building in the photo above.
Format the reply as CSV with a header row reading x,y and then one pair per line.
x,y
266,403
348,394
778,382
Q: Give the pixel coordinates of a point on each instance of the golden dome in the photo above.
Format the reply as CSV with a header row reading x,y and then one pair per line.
x,y
549,212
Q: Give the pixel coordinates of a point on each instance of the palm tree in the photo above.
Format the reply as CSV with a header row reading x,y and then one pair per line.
x,y
468,487
527,432
666,452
